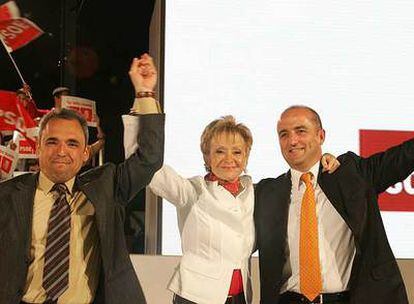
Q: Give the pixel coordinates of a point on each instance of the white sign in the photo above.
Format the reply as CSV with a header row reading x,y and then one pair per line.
x,y
8,161
85,107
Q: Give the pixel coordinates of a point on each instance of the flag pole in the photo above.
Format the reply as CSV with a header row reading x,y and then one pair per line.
x,y
12,60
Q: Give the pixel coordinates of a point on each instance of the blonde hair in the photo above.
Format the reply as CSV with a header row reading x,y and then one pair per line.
x,y
228,125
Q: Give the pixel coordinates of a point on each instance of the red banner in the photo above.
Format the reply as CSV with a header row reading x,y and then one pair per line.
x,y
399,197
9,10
26,148
13,116
18,32
9,114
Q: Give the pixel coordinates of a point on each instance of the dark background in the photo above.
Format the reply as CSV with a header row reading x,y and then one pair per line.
x,y
105,36
87,46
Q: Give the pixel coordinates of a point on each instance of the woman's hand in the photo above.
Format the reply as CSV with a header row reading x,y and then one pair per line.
x,y
329,163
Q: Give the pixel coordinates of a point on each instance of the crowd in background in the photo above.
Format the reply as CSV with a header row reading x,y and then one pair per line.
x,y
12,139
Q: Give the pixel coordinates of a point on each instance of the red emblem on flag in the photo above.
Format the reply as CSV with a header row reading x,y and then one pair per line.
x,y
18,32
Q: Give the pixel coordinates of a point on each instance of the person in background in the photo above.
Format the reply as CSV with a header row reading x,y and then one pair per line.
x,y
215,215
57,94
25,98
320,236
62,236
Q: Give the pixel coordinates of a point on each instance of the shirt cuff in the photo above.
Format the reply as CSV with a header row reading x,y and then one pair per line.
x,y
146,105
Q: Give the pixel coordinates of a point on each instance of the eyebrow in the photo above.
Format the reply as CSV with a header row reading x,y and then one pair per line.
x,y
294,128
70,140
73,141
300,127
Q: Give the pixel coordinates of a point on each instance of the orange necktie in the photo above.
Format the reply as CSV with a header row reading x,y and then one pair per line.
x,y
310,270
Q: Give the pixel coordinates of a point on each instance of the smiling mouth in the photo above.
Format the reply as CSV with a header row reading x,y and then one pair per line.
x,y
296,150
61,162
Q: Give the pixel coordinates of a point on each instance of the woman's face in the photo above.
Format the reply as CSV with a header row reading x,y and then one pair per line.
x,y
228,156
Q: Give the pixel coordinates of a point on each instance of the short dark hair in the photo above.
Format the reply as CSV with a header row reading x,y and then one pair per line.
x,y
316,117
64,114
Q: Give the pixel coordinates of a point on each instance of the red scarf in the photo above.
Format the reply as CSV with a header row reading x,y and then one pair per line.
x,y
232,187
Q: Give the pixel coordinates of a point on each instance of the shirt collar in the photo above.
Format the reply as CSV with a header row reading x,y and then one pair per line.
x,y
295,175
46,184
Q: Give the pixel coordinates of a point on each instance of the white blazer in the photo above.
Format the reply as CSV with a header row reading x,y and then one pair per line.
x,y
217,235
217,232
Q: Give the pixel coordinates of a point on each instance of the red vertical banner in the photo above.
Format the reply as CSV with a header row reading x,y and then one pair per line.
x,y
399,197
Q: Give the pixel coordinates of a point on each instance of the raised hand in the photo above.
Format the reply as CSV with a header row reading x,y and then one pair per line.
x,y
143,73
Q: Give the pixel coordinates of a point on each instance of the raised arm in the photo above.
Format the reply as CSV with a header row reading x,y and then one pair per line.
x,y
386,168
136,171
166,182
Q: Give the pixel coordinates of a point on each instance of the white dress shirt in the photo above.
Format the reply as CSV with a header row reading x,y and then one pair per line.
x,y
336,242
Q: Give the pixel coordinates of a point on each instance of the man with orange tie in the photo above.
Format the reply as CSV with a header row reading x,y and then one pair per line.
x,y
320,236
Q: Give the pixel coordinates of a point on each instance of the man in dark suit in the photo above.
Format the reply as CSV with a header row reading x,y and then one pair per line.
x,y
320,236
61,234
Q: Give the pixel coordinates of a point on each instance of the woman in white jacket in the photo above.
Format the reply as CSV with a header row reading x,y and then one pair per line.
x,y
215,216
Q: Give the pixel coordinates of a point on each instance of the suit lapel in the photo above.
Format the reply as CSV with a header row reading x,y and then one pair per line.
x,y
89,184
284,198
22,201
345,195
330,186
274,202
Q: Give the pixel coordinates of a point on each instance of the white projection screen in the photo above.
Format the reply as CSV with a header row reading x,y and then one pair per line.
x,y
352,61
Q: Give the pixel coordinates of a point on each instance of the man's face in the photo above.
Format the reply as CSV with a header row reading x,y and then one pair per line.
x,y
62,150
300,138
228,156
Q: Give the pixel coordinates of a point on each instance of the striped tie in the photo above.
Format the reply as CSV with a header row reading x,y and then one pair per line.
x,y
310,271
56,269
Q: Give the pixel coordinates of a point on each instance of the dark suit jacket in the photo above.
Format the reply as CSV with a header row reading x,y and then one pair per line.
x,y
353,191
109,188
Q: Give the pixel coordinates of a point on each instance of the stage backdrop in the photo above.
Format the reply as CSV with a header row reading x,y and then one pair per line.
x,y
353,61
